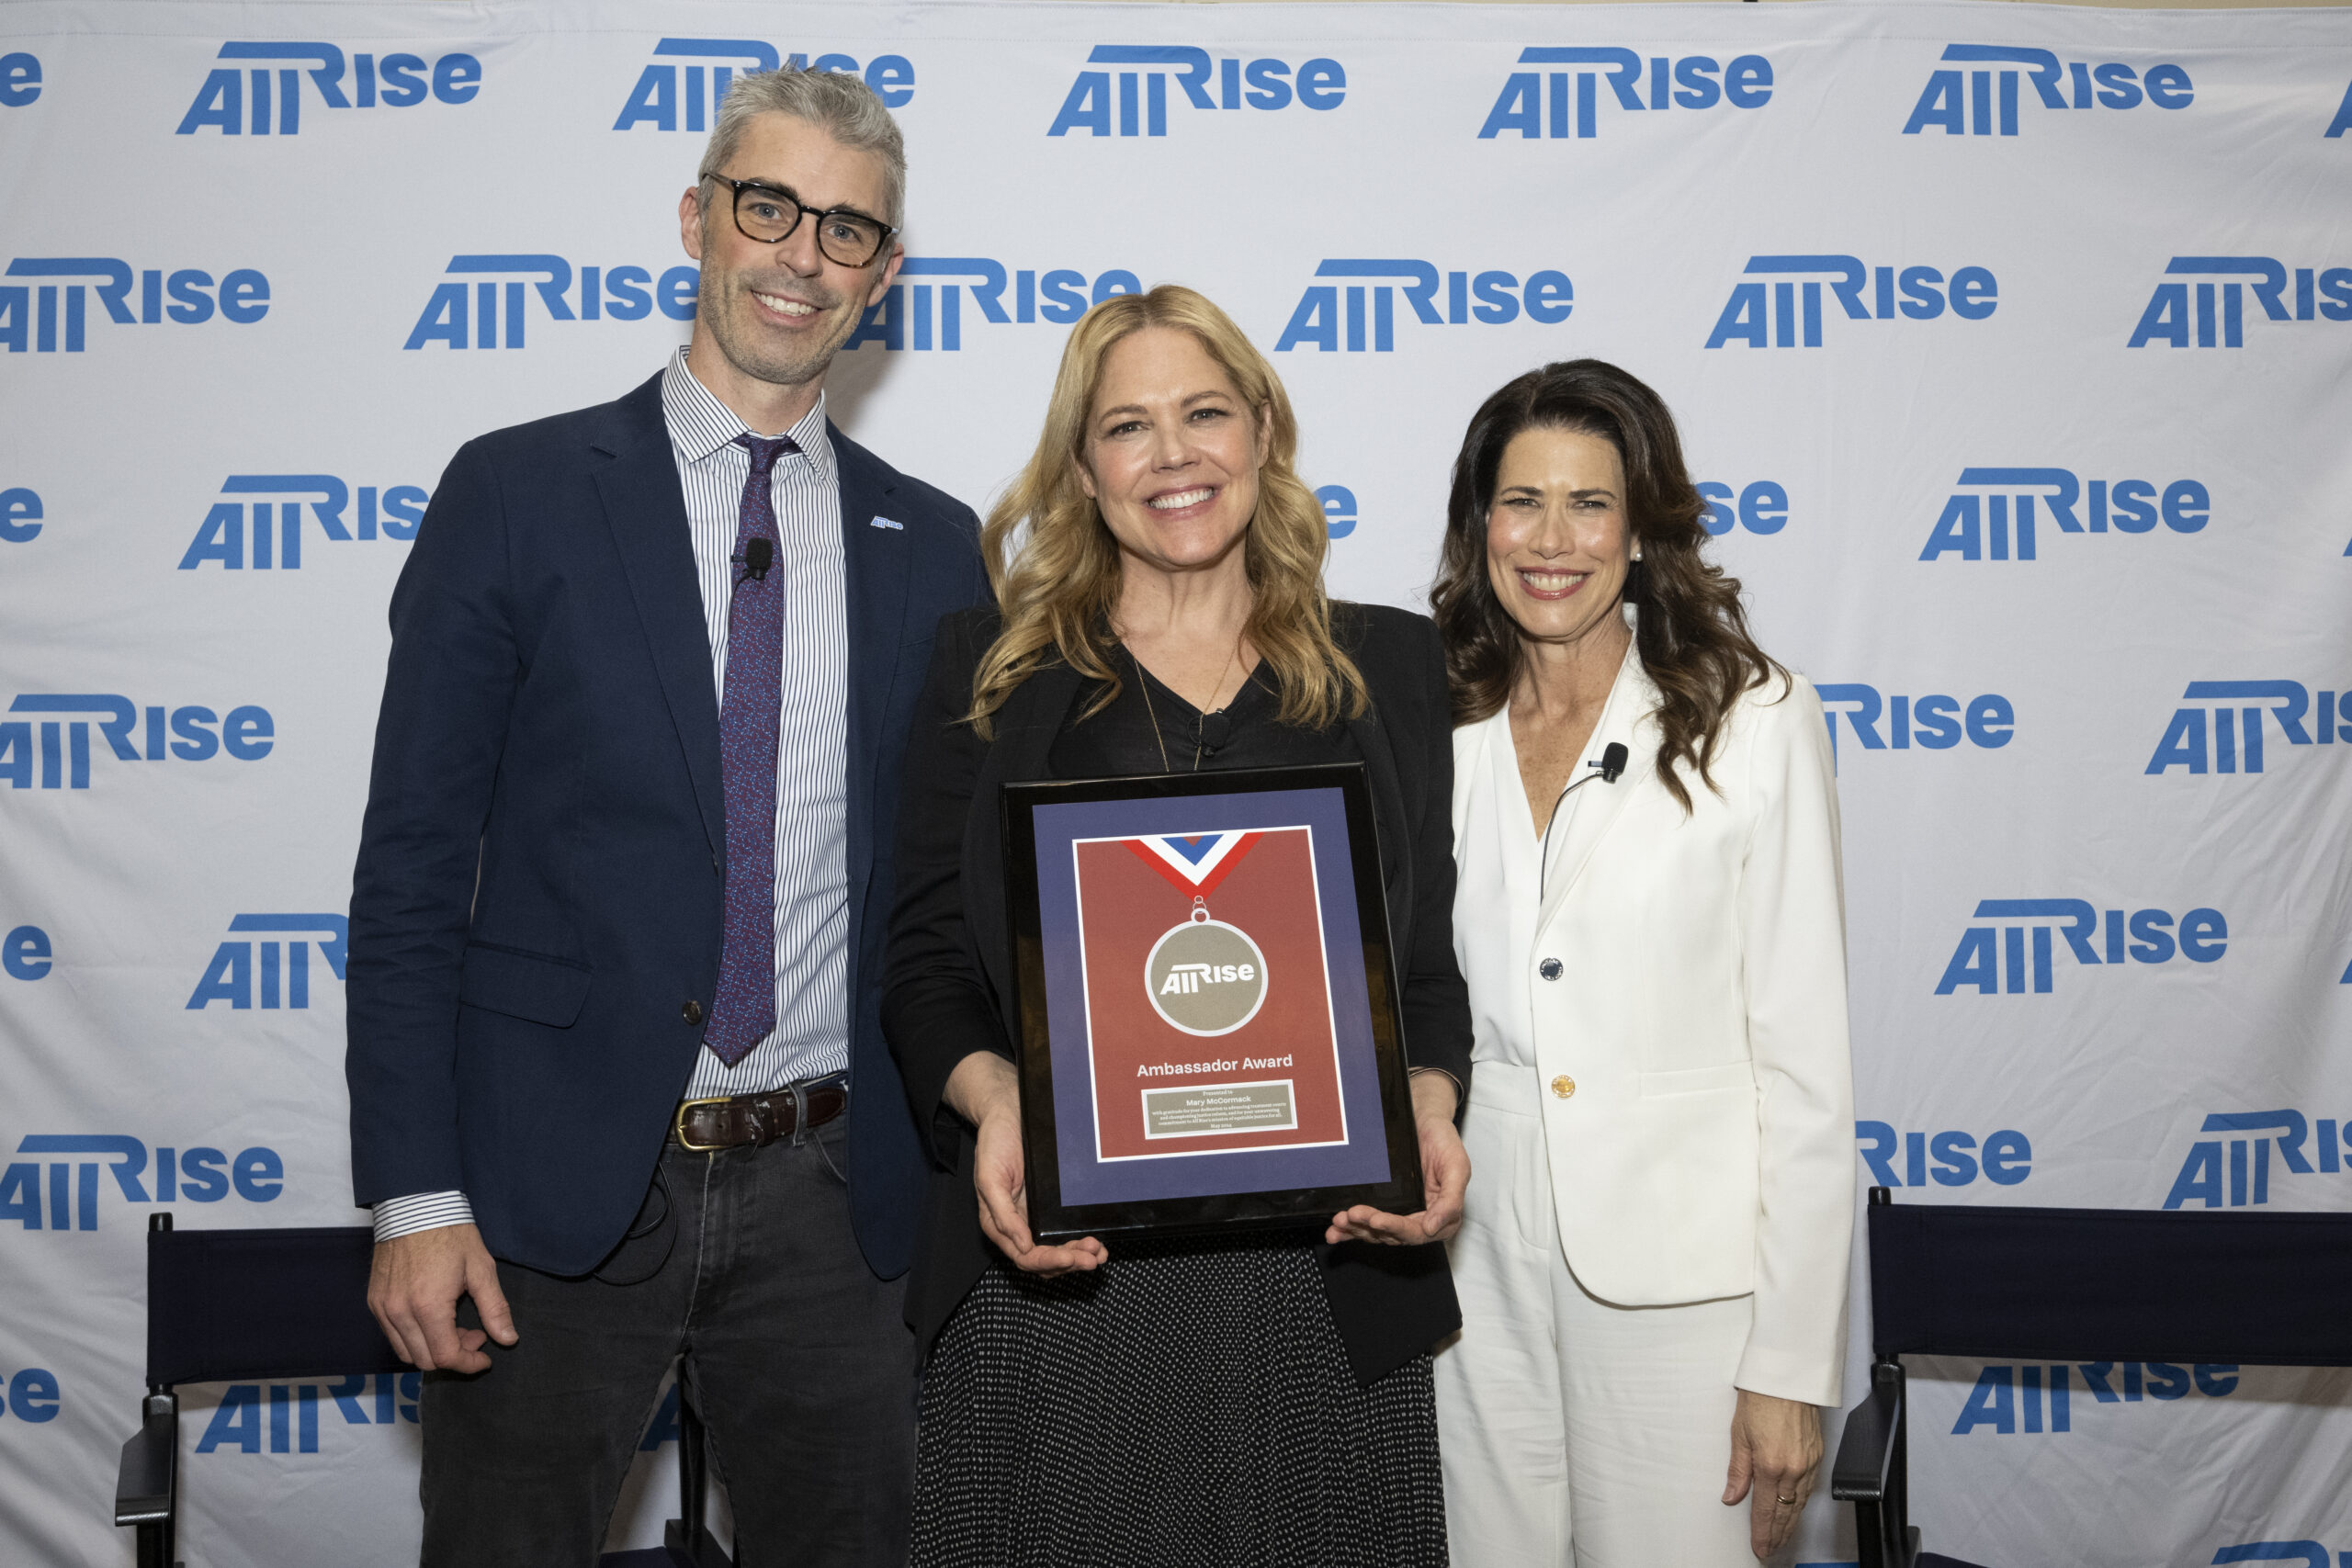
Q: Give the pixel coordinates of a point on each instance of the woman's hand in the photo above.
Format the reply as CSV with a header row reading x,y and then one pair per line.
x,y
985,1092
1776,1450
1445,1172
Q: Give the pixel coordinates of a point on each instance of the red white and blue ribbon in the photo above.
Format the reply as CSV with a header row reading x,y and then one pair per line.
x,y
1194,863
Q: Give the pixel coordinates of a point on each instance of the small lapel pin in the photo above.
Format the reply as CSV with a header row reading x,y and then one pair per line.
x,y
886,523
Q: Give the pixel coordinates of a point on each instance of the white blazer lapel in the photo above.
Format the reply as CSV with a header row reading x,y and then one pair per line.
x,y
1627,719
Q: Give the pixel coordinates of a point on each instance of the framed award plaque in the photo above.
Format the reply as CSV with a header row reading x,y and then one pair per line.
x,y
1209,1033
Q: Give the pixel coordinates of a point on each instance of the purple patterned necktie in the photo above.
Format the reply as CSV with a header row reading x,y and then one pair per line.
x,y
744,1010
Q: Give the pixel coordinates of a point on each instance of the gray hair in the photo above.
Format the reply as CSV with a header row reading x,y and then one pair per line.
x,y
836,103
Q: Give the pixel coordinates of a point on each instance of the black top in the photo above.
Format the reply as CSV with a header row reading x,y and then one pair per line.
x,y
1148,729
948,986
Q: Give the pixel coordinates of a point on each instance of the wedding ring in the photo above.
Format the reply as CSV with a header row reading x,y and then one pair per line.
x,y
1786,1501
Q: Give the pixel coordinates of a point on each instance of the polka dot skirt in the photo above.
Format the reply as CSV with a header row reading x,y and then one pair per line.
x,y
1187,1405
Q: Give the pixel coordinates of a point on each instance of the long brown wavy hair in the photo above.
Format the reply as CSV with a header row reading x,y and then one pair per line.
x,y
1691,631
1057,583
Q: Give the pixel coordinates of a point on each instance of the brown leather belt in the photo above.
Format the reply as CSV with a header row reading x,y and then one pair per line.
x,y
758,1120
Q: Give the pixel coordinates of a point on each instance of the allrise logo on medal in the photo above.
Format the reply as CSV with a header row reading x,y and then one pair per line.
x,y
1205,977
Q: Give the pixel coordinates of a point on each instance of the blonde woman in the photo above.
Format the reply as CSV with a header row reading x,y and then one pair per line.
x,y
1238,1401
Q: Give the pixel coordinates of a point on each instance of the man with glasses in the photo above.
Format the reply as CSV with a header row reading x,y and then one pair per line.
x,y
619,1091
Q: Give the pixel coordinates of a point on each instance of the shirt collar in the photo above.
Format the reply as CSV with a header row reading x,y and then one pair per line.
x,y
700,424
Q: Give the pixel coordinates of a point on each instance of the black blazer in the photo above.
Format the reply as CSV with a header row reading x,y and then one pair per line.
x,y
948,987
541,870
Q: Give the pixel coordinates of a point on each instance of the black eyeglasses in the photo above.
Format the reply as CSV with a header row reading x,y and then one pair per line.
x,y
848,238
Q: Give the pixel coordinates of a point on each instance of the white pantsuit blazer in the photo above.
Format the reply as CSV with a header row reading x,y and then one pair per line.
x,y
1690,1057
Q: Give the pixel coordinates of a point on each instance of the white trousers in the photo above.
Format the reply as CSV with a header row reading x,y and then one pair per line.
x,y
1575,1434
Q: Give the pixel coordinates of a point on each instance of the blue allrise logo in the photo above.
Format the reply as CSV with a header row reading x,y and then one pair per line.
x,y
2227,280
25,953
285,962
30,314
2059,85
2005,1158
1794,317
1933,723
1990,507
236,99
64,742
68,1199
929,316
2336,127
32,1396
680,92
285,1415
491,312
1990,966
1761,507
2238,733
19,79
276,527
1339,509
2006,1400
1537,103
1492,298
20,515
1267,84
2308,1554
2253,1131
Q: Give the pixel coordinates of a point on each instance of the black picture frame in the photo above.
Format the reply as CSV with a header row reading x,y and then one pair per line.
x,y
1197,1190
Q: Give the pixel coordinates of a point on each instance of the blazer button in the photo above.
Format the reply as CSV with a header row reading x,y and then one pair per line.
x,y
691,1012
1564,1086
1549,969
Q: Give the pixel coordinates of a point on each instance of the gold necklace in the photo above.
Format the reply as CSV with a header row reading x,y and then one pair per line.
x,y
1145,686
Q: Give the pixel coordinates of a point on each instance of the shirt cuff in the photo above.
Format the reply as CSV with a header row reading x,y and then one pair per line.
x,y
421,1211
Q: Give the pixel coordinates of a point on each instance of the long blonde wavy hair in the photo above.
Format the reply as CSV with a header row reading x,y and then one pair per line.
x,y
1057,583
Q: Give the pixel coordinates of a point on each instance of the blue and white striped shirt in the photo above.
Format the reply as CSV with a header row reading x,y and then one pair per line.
x,y
811,1035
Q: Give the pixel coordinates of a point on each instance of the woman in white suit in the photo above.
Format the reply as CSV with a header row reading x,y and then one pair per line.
x,y
1653,1263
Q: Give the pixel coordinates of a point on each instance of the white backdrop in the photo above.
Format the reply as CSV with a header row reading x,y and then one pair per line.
x,y
2014,340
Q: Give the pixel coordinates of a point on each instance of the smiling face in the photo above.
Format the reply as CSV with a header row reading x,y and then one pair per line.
x,y
1172,452
1559,544
776,313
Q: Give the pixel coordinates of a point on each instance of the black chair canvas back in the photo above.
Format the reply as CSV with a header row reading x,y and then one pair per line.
x,y
2254,1287
226,1306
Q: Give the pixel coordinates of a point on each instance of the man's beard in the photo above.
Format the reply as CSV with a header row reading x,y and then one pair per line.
x,y
758,355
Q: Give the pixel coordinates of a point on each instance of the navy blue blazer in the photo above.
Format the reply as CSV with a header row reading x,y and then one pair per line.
x,y
542,866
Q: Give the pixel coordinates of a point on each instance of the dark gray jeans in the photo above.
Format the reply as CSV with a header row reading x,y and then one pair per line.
x,y
796,1357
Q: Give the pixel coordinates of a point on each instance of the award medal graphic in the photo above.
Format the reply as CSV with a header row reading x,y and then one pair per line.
x,y
1205,976
1209,1018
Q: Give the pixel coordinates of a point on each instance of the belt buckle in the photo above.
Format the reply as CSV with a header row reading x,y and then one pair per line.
x,y
678,1124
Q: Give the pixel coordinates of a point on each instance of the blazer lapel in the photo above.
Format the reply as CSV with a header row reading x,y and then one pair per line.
x,y
1025,727
1626,720
875,564
645,507
1396,841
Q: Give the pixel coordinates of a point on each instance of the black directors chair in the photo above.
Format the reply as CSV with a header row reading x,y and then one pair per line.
x,y
286,1305
2067,1285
